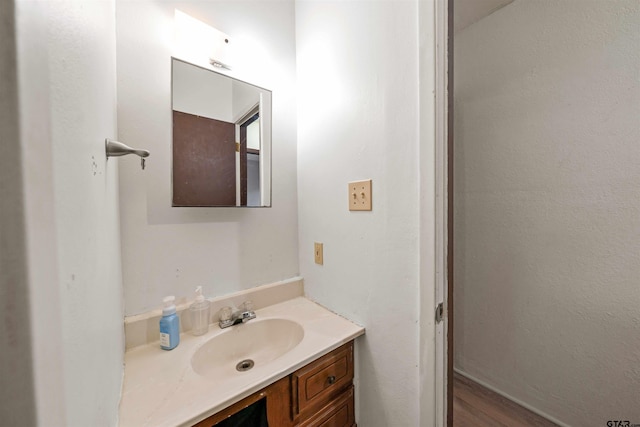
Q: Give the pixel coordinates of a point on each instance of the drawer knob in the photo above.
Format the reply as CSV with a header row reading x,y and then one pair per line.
x,y
331,379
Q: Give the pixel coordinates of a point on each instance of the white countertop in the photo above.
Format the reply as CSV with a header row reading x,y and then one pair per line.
x,y
161,388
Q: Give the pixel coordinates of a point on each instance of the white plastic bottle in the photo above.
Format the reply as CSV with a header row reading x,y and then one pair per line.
x,y
199,314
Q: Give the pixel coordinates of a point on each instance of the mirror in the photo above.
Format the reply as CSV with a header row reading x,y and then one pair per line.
x,y
221,139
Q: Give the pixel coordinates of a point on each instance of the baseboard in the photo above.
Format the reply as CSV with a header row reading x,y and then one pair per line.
x,y
511,398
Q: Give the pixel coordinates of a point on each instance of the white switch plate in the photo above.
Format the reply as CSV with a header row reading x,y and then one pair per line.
x,y
360,195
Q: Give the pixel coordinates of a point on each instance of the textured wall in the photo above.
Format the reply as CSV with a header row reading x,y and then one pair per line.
x,y
170,251
17,403
82,76
66,89
358,118
548,206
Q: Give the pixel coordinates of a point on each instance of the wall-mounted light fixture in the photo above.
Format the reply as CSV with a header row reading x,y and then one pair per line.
x,y
200,43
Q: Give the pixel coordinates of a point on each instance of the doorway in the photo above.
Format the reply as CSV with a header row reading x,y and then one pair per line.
x,y
544,225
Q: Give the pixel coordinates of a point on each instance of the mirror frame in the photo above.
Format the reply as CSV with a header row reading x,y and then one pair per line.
x,y
268,134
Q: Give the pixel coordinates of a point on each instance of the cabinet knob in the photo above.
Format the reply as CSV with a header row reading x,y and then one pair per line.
x,y
331,379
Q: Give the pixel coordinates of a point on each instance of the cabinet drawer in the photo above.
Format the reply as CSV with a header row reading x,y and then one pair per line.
x,y
338,413
317,383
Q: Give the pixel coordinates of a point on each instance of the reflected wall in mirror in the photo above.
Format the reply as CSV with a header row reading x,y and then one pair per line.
x,y
221,139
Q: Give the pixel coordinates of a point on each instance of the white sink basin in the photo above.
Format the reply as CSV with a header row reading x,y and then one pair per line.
x,y
259,340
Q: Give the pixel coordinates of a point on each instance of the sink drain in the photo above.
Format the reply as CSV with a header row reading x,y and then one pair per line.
x,y
245,365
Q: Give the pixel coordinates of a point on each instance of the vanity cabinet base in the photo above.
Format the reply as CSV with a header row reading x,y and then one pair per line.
x,y
320,394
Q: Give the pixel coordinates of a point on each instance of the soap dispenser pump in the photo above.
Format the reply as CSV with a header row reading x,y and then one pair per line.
x,y
169,325
199,314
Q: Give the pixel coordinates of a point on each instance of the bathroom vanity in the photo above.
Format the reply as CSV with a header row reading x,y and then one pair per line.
x,y
319,394
303,371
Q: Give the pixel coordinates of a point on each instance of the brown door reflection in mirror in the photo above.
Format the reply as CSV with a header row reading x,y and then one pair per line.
x,y
204,161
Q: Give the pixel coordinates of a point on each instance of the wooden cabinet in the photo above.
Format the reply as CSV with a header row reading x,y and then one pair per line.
x,y
321,382
317,395
338,412
278,400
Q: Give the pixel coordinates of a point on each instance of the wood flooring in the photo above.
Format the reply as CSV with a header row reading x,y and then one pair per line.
x,y
476,406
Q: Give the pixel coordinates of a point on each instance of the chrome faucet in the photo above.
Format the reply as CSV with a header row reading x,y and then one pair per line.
x,y
229,318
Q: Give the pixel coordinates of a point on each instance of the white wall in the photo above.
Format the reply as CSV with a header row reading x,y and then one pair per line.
x,y
83,93
172,250
358,118
245,97
17,401
467,12
206,93
253,135
547,208
66,73
201,92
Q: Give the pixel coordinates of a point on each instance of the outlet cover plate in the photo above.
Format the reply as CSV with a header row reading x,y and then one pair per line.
x,y
317,251
360,195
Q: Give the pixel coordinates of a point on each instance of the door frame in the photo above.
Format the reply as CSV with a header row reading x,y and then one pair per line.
x,y
444,208
450,211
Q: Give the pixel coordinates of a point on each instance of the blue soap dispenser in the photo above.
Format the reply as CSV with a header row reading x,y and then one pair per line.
x,y
169,325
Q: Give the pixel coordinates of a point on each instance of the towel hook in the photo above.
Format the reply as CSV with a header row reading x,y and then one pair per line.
x,y
116,149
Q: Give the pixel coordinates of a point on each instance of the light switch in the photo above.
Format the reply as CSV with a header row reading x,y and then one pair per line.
x,y
317,250
360,195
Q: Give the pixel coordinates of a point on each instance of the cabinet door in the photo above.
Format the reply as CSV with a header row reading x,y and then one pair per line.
x,y
278,400
338,413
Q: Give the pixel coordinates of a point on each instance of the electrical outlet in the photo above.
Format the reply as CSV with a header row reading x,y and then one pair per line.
x,y
360,195
317,251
